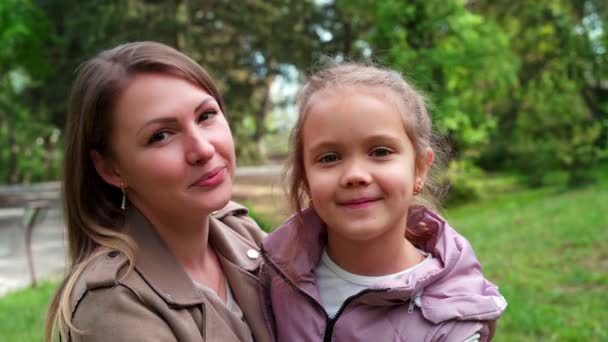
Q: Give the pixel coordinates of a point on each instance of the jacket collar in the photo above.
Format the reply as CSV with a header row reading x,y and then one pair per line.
x,y
454,286
157,264
166,275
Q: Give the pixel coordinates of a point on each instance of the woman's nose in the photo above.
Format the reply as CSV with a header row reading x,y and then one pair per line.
x,y
199,149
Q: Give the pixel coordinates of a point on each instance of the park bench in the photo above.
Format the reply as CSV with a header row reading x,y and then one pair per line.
x,y
29,204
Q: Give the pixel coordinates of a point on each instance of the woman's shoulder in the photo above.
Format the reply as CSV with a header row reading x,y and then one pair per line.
x,y
108,308
103,269
236,217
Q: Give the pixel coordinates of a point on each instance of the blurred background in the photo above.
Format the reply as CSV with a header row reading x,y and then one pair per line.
x,y
518,89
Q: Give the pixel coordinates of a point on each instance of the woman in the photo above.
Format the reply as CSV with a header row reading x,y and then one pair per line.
x,y
158,251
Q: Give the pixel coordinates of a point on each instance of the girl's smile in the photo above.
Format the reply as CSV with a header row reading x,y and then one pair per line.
x,y
360,167
360,203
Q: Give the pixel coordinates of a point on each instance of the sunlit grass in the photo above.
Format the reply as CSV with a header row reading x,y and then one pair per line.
x,y
547,249
22,313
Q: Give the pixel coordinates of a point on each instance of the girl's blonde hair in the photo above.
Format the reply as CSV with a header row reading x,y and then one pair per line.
x,y
91,206
417,124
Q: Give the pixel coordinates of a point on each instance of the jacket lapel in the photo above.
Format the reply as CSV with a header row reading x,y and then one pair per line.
x,y
157,264
240,261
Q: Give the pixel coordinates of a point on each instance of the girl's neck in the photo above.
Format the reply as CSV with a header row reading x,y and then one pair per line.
x,y
385,255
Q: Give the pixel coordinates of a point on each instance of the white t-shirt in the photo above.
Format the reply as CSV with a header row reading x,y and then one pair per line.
x,y
336,284
226,315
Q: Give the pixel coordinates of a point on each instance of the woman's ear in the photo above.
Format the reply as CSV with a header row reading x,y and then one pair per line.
x,y
105,169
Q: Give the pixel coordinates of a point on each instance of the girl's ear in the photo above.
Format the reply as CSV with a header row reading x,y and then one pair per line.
x,y
422,170
105,169
307,190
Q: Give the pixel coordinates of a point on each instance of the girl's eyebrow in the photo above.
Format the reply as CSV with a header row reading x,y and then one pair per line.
x,y
331,144
170,119
323,146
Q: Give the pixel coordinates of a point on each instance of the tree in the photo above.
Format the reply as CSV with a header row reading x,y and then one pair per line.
x,y
27,140
558,118
461,60
244,44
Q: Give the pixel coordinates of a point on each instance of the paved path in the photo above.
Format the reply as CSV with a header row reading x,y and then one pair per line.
x,y
254,184
48,249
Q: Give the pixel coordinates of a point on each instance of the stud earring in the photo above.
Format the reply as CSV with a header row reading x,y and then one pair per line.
x,y
123,203
418,189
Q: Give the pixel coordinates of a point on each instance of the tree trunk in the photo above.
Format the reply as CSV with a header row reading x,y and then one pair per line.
x,y
12,176
1,142
260,119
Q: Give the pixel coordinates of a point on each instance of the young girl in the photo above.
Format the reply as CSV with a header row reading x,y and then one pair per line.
x,y
368,261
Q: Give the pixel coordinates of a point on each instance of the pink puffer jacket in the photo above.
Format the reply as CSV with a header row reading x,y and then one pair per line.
x,y
456,301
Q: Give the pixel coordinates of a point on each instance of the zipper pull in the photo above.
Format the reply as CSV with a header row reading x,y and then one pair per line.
x,y
413,300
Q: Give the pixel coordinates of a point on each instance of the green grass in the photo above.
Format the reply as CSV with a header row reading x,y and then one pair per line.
x,y
22,313
547,249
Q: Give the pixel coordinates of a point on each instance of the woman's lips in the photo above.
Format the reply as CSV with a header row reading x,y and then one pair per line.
x,y
211,179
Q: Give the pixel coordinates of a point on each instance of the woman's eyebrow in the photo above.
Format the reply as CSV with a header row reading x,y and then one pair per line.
x,y
170,119
202,104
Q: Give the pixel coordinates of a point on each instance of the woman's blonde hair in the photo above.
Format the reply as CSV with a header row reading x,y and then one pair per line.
x,y
417,124
91,206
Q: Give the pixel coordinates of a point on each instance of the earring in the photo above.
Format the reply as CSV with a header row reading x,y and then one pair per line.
x,y
418,188
123,203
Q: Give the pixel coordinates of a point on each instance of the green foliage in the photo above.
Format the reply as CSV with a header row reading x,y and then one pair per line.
x,y
263,222
510,84
462,60
462,180
555,132
23,33
244,44
27,139
556,119
29,145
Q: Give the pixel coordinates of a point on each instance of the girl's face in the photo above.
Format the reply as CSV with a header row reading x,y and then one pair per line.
x,y
173,148
359,164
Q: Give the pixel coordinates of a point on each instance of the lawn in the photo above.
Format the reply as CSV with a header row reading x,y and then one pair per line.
x,y
22,313
547,249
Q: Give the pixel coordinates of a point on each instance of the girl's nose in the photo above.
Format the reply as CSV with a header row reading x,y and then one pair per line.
x,y
355,174
199,149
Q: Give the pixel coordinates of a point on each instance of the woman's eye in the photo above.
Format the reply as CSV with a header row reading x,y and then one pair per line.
x,y
158,136
380,152
329,158
204,116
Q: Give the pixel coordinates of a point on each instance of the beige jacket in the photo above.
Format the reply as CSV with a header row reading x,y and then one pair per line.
x,y
158,301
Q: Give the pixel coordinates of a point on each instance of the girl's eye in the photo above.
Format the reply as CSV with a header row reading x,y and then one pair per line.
x,y
204,116
329,158
158,136
380,152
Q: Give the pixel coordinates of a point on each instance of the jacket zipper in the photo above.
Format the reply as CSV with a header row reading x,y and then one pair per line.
x,y
330,322
291,284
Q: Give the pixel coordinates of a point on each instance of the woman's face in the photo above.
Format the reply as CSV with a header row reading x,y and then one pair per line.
x,y
173,148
